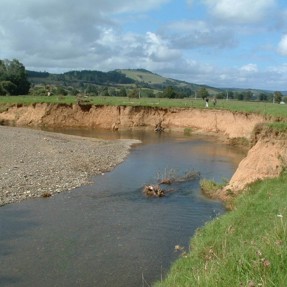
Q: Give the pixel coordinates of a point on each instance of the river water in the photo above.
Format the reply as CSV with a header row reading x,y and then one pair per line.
x,y
109,233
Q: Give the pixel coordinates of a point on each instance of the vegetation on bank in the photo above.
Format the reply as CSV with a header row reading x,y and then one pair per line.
x,y
209,187
245,247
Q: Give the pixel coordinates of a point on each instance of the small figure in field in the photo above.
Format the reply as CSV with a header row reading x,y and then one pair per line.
x,y
206,102
214,101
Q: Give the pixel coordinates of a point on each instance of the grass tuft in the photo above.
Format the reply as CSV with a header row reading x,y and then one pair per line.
x,y
209,187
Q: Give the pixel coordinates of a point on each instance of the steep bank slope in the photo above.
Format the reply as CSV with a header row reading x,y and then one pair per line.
x,y
265,159
229,124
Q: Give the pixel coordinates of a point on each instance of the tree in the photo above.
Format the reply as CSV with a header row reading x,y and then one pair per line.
x,y
103,91
61,91
239,96
262,97
8,88
92,89
247,95
148,93
169,92
277,97
122,92
203,93
14,72
134,93
221,95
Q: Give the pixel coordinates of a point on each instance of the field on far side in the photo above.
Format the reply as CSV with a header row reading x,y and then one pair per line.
x,y
267,109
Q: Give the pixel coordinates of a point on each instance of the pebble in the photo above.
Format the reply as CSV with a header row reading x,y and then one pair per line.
x,y
47,163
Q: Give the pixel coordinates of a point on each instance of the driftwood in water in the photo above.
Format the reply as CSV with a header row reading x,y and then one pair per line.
x,y
171,177
158,128
153,191
166,181
156,191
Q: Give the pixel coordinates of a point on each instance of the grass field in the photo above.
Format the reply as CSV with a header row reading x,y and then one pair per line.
x,y
245,247
269,109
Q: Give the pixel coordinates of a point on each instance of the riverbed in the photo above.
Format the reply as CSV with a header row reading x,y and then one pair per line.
x,y
108,233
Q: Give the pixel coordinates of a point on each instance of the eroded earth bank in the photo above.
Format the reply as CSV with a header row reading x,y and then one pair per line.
x,y
35,162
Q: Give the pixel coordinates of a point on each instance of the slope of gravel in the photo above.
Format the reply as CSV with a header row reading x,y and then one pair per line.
x,y
36,163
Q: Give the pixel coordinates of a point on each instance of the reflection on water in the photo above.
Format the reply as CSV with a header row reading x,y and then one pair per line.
x,y
108,233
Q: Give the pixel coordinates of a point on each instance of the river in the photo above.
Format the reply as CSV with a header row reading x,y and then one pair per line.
x,y
109,233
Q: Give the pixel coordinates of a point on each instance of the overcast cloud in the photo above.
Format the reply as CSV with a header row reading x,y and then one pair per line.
x,y
223,43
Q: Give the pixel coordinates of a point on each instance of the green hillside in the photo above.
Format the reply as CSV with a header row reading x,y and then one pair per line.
x,y
143,76
138,78
127,77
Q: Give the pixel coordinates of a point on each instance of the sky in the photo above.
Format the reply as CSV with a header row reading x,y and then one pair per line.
x,y
221,43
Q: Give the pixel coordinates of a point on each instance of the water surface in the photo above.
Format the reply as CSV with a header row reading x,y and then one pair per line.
x,y
108,233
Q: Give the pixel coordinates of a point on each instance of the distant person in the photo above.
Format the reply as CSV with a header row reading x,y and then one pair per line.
x,y
214,101
206,102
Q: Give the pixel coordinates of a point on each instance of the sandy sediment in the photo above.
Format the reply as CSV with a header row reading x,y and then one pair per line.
x,y
226,123
36,163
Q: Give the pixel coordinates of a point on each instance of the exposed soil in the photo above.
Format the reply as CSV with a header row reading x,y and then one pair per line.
x,y
266,159
226,123
51,155
36,163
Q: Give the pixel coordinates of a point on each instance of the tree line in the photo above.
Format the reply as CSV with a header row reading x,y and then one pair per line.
x,y
13,78
248,95
14,81
84,77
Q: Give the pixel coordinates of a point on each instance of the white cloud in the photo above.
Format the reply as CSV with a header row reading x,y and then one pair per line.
x,y
70,34
157,49
240,11
57,36
282,47
192,34
249,68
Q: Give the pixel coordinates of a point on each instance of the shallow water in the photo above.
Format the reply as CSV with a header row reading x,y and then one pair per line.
x,y
108,233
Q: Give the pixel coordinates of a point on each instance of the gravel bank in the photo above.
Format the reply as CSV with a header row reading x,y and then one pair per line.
x,y
36,163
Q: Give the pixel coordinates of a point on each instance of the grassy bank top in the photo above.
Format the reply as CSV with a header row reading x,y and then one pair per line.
x,y
245,247
267,109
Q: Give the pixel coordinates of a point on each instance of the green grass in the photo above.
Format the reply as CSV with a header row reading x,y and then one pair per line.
x,y
244,247
208,187
280,127
142,76
28,100
268,109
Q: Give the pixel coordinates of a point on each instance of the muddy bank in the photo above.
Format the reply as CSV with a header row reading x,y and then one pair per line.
x,y
229,124
265,159
36,163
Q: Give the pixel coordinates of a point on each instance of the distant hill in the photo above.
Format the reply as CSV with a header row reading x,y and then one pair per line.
x,y
78,77
121,77
148,79
129,78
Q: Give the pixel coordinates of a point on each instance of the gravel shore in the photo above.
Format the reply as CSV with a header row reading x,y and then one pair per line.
x,y
36,163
